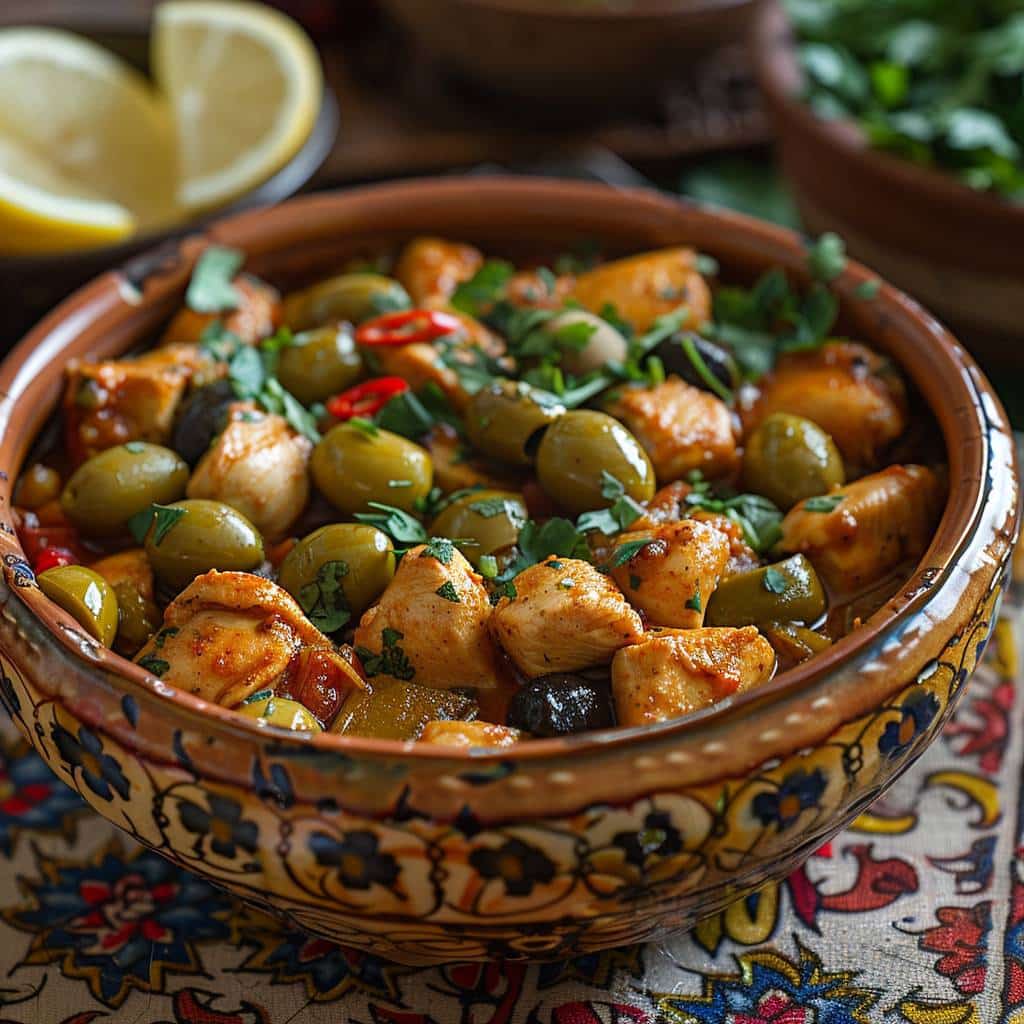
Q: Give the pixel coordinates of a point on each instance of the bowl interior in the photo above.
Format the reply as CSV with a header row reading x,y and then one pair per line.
x,y
299,240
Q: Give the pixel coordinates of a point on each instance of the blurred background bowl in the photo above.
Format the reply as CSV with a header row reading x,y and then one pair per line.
x,y
565,52
955,249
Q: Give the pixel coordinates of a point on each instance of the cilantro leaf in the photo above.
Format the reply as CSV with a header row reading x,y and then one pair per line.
x,y
823,503
323,600
405,530
364,426
627,551
826,257
157,666
758,517
160,517
448,592
391,661
486,287
439,548
210,290
774,581
695,603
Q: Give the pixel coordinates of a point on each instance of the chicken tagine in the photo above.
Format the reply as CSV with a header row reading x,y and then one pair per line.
x,y
447,498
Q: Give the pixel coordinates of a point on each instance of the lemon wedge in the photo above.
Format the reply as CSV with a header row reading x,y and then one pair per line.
x,y
87,152
42,211
245,86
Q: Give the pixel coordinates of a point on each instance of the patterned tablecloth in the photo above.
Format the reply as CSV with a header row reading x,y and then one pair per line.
x,y
914,915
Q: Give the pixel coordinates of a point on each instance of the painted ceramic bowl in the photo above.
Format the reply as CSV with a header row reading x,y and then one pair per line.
x,y
956,249
561,846
561,52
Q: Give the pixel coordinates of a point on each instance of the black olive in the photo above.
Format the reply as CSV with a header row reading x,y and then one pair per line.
x,y
202,417
718,361
561,703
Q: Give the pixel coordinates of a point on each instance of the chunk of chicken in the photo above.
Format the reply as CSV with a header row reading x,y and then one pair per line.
x,y
421,363
469,734
256,317
673,672
681,428
430,625
850,391
671,578
131,578
231,634
257,465
882,520
457,467
742,557
565,615
432,268
528,288
644,287
127,568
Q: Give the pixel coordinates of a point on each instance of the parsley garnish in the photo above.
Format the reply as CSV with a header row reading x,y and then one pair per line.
x,y
391,661
210,290
448,592
634,581
707,265
364,426
216,341
485,288
255,698
823,503
695,603
439,548
404,529
488,567
775,582
162,517
711,382
758,517
868,289
566,582
324,600
153,664
826,258
619,516
625,552
135,447
491,507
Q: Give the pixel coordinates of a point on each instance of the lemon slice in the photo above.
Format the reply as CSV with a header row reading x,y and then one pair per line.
x,y
85,140
42,211
245,85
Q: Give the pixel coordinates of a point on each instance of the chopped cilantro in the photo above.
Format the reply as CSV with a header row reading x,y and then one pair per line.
x,y
404,529
364,426
324,600
391,661
625,552
439,548
774,581
135,447
399,484
448,592
491,507
255,698
216,341
548,279
868,289
703,371
707,265
157,666
555,564
566,582
826,258
247,373
758,517
210,290
634,581
486,287
823,503
695,603
160,517
488,567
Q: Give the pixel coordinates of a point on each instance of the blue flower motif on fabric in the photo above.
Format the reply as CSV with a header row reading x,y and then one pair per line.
x,y
100,772
772,989
917,712
357,859
799,791
121,923
223,823
32,798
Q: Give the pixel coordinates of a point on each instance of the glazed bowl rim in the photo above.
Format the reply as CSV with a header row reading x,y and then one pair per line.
x,y
954,530
780,78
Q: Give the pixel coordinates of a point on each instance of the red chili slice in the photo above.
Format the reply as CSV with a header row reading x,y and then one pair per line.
x,y
367,398
51,558
37,539
406,327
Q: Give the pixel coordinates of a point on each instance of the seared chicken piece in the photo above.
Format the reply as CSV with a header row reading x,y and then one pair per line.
x,y
469,734
851,392
644,287
457,467
565,615
742,557
528,288
258,466
432,268
230,634
673,672
681,428
667,506
421,363
257,315
430,625
881,520
671,578
127,568
116,401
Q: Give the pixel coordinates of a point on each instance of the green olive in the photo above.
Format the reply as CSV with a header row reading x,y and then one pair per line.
x,y
795,643
320,363
787,591
506,419
352,467
282,712
192,537
789,458
366,554
491,519
394,710
111,487
579,450
86,596
351,297
138,618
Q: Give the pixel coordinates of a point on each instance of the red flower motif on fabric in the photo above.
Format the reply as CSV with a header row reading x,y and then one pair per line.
x,y
961,936
122,911
775,1007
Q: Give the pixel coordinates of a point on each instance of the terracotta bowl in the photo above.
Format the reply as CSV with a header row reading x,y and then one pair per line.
x,y
558,53
956,249
561,846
